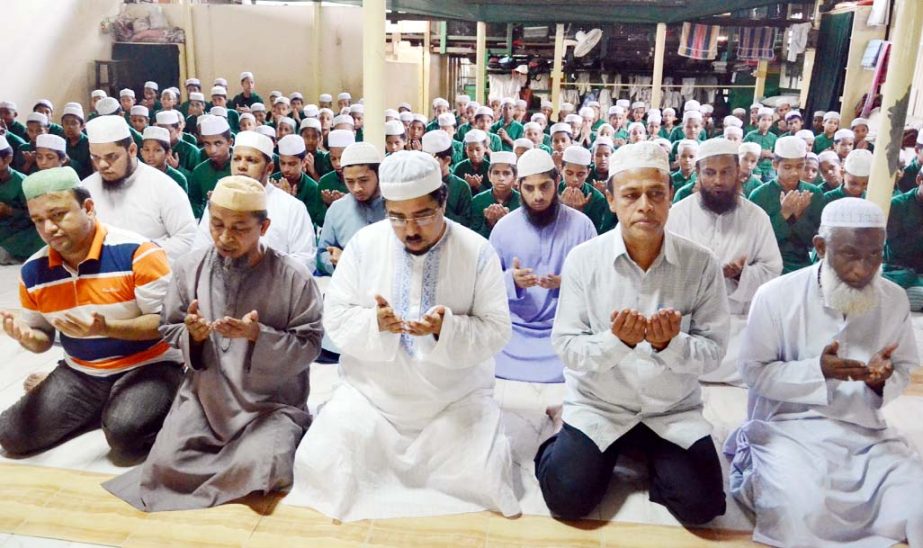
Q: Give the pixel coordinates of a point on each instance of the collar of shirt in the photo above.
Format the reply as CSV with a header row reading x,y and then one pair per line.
x,y
667,248
99,235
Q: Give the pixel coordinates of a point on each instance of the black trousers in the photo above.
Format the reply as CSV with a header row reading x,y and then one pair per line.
x,y
129,407
574,474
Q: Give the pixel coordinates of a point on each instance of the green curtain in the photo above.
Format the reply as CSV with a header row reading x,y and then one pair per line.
x,y
828,76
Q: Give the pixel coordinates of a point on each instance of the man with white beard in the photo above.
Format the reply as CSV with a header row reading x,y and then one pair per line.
x,y
825,348
736,230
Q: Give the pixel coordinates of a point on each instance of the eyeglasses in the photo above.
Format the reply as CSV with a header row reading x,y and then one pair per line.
x,y
425,220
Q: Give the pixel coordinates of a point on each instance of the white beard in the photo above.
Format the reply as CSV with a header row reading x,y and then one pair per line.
x,y
847,300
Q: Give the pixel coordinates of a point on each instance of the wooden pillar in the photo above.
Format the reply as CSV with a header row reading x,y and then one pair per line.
x,y
895,98
189,30
557,72
317,26
660,46
373,72
760,89
426,84
481,72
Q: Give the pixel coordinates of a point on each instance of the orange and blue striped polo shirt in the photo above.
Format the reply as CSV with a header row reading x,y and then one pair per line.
x,y
123,276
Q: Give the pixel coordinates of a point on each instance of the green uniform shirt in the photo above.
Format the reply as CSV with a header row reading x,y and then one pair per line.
x,y
309,193
458,203
679,180
465,168
665,133
596,124
179,177
15,141
495,142
332,181
56,129
795,238
79,154
17,232
822,143
241,100
190,138
205,177
596,209
766,142
462,130
322,163
836,194
678,134
684,192
189,155
908,180
513,130
750,185
458,152
481,202
546,142
18,129
137,138
19,159
904,248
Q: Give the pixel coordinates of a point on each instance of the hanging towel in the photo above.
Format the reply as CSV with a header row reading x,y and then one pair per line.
x,y
756,43
699,41
797,40
880,14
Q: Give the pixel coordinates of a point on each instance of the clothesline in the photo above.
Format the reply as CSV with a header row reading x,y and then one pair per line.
x,y
606,85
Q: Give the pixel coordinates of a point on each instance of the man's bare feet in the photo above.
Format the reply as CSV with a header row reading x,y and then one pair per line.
x,y
555,413
33,380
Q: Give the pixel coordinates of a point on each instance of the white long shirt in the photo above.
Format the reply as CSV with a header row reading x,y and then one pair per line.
x,y
148,203
290,229
744,231
611,387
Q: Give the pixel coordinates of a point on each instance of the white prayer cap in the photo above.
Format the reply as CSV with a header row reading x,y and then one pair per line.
x,y
707,109
739,111
794,113
692,104
4,144
669,110
197,96
844,134
638,104
462,98
50,141
220,82
436,141
858,163
832,115
730,131
220,91
151,85
829,156
409,174
107,129
169,117
358,108
576,154
639,125
852,213
256,140
138,110
859,122
819,113
440,102
406,116
692,115
73,111
45,102
239,193
615,109
295,95
291,145
245,74
340,138
8,105
282,99
127,93
257,107
718,146
391,113
603,141
246,116
533,162
446,119
547,104
791,147
407,106
561,126
764,111
268,131
592,104
567,107
503,157
98,93
309,123
643,155
654,117
521,103
519,143
325,98
538,116
310,111
805,134
687,143
290,122
214,125
394,127
475,136
107,105
749,148
344,96
756,106
157,134
484,111
624,103
37,117
326,111
73,104
573,119
219,111
531,125
507,101
172,91
663,143
192,82
811,157
343,119
605,126
733,121
420,118
587,112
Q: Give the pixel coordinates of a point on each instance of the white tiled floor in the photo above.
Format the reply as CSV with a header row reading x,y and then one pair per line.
x,y
524,419
16,541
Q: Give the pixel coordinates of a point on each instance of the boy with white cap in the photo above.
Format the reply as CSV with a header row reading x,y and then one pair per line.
x,y
824,140
910,178
793,206
534,132
396,136
843,142
490,206
413,424
139,117
474,169
344,99
215,136
635,336
156,151
219,96
78,147
446,122
856,171
687,153
811,172
44,106
440,106
24,157
458,204
532,243
317,160
358,209
149,96
325,100
767,141
506,127
331,185
831,170
132,195
293,178
691,130
669,121
248,95
860,128
483,120
8,113
51,152
18,237
126,101
188,155
576,192
192,85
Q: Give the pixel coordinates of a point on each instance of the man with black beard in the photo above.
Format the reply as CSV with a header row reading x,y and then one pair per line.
x,y
532,243
132,195
737,231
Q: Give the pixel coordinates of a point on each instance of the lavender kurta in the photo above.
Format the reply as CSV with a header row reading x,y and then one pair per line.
x,y
242,408
529,356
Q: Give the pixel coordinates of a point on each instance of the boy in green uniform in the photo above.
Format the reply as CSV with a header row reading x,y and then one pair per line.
x,y
51,152
317,161
602,150
156,152
533,131
149,97
748,155
8,113
483,120
575,192
691,130
24,158
811,172
910,179
139,118
507,128
332,187
794,207
831,170
561,138
904,250
475,168
292,178
396,137
247,96
490,206
668,123
215,135
195,107
18,237
126,100
192,85
824,140
446,123
860,128
687,152
458,204
843,143
793,123
44,106
78,146
767,141
440,106
856,168
220,99
189,156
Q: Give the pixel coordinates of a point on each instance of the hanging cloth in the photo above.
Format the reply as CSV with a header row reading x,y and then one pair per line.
x,y
756,44
797,40
699,42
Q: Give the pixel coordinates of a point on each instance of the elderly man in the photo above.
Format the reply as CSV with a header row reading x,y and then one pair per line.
x,y
135,196
816,461
418,307
242,407
635,336
737,231
291,232
532,243
99,289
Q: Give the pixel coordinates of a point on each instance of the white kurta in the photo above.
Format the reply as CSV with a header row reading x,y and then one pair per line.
x,y
148,203
413,428
816,460
290,230
611,387
744,231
